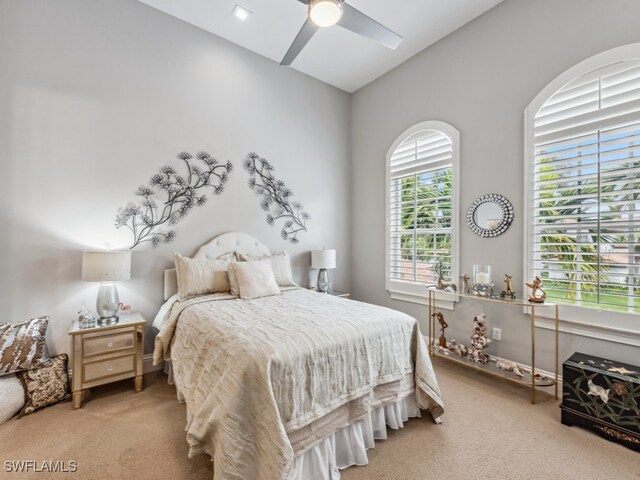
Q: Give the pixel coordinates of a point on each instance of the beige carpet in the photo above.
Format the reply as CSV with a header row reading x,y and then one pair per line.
x,y
490,431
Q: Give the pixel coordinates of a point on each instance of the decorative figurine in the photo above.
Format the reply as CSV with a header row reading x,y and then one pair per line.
x,y
465,286
438,268
508,291
479,340
442,341
85,319
124,308
538,295
461,350
508,366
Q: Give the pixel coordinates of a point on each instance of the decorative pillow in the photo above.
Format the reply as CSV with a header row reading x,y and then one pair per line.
x,y
234,289
45,385
255,279
281,265
23,345
201,276
11,397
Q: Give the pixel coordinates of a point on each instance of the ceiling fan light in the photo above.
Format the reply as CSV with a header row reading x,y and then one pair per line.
x,y
325,13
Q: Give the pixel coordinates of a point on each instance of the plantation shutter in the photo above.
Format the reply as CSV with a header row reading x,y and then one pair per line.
x,y
586,190
420,208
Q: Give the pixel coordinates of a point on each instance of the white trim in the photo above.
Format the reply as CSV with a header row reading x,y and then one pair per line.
x,y
396,291
578,320
423,299
591,330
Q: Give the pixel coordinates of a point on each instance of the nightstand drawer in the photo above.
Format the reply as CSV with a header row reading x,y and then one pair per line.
x,y
93,371
117,342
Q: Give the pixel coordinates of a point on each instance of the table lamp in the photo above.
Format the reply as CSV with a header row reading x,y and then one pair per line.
x,y
106,267
323,259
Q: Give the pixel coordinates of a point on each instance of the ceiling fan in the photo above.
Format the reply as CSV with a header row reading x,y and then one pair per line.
x,y
326,13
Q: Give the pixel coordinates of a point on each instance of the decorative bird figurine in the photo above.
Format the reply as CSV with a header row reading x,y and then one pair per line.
x,y
621,371
598,391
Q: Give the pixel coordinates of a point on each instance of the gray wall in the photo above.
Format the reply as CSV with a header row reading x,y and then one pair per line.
x,y
479,79
95,96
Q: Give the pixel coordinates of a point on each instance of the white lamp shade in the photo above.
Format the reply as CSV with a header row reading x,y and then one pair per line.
x,y
106,266
323,259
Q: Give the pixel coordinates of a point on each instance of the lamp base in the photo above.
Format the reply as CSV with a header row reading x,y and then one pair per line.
x,y
107,304
106,321
323,281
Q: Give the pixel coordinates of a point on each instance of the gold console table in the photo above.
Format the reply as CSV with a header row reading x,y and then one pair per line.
x,y
529,379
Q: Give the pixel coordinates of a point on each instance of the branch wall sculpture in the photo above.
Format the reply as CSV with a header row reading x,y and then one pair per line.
x,y
170,197
276,198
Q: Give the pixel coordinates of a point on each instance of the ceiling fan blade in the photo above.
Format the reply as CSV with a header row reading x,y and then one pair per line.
x,y
357,22
304,35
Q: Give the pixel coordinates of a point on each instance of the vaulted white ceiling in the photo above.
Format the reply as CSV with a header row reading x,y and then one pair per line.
x,y
334,55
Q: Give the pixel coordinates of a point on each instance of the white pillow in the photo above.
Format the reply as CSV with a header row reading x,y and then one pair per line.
x,y
281,265
201,276
11,397
255,279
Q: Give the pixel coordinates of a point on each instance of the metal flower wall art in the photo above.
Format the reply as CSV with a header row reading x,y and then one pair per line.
x,y
170,196
276,198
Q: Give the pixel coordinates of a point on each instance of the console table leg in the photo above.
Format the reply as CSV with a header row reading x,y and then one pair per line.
x,y
533,354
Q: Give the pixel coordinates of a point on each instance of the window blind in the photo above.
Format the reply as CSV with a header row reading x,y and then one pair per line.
x,y
420,208
586,190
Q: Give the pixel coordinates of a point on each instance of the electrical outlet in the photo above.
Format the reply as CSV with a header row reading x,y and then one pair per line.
x,y
497,334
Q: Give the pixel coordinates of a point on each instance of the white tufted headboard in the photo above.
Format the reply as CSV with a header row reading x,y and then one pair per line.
x,y
225,243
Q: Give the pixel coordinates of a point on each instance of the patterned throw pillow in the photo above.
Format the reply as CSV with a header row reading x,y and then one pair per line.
x,y
23,345
45,385
255,279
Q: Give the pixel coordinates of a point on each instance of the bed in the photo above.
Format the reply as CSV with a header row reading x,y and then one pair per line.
x,y
291,386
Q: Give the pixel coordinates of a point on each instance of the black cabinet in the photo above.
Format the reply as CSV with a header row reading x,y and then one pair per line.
x,y
604,396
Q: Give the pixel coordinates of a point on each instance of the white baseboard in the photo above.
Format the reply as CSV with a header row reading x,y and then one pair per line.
x,y
148,366
544,373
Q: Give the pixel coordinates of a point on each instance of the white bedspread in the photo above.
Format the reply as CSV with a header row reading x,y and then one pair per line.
x,y
256,372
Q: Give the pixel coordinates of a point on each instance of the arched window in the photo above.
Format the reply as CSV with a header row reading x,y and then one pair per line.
x,y
583,184
422,170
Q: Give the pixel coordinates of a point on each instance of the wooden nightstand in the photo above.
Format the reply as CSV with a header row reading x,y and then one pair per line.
x,y
107,354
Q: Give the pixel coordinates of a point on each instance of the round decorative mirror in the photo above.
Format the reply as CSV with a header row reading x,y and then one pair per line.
x,y
490,215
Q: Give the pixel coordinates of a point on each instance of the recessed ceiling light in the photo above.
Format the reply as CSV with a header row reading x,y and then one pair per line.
x,y
240,12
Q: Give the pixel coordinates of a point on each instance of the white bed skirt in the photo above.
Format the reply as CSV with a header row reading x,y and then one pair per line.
x,y
348,446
